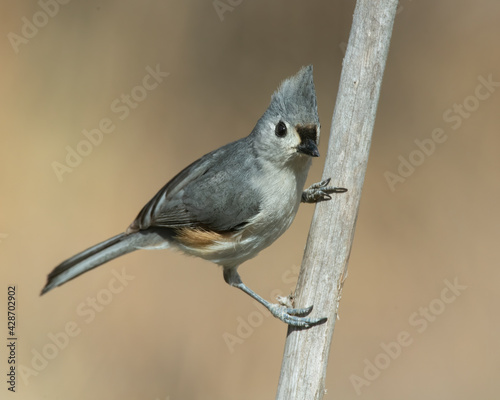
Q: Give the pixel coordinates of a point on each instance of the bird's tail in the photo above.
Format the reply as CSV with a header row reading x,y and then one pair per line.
x,y
93,257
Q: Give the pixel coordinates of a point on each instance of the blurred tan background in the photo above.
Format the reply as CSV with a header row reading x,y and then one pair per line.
x,y
173,329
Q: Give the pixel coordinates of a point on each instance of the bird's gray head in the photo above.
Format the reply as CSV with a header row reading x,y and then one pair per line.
x,y
289,129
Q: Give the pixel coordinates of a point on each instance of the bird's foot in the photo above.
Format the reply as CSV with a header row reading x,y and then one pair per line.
x,y
295,316
320,192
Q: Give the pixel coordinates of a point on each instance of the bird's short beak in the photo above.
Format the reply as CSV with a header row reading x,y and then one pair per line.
x,y
308,140
308,147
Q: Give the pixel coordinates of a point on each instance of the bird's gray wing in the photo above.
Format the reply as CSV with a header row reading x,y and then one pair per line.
x,y
213,193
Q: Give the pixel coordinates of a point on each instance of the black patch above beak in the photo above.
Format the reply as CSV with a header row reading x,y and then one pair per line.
x,y
308,140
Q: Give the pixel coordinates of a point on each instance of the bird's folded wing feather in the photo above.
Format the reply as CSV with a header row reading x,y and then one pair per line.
x,y
213,193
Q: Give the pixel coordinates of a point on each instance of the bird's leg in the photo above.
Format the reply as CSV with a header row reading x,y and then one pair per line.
x,y
320,192
290,316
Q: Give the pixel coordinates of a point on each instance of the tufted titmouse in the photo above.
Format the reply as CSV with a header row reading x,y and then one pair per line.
x,y
233,202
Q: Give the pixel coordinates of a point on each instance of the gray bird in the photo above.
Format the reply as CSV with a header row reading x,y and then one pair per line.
x,y
233,202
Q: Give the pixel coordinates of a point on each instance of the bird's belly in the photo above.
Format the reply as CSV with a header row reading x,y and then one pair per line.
x,y
238,247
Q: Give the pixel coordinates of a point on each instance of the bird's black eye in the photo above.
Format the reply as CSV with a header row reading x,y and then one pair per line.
x,y
280,129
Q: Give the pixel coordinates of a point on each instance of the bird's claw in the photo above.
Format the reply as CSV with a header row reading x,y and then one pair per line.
x,y
295,316
320,192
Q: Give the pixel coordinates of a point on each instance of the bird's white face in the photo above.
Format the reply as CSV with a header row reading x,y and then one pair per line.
x,y
282,142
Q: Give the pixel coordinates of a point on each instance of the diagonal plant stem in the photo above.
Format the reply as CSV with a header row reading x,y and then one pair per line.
x,y
324,267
